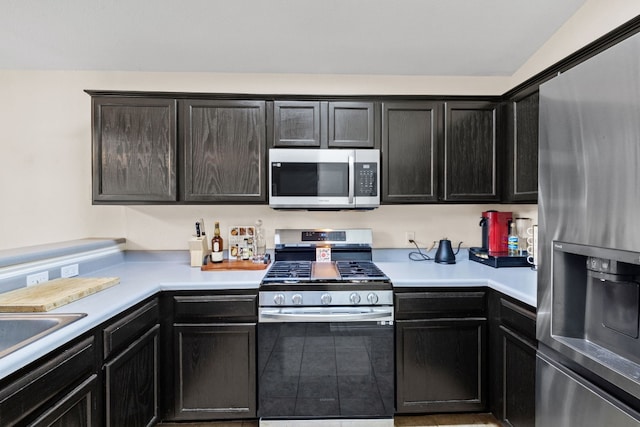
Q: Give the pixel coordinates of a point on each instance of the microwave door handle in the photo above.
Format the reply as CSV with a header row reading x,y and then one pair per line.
x,y
352,178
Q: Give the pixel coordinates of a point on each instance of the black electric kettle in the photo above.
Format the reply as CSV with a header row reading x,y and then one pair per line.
x,y
445,254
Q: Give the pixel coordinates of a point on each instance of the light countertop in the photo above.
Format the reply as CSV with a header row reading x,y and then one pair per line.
x,y
144,274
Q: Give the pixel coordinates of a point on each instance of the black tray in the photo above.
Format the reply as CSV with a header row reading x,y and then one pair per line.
x,y
481,256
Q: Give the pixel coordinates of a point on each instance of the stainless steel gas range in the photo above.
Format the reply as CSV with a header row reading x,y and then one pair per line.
x,y
325,329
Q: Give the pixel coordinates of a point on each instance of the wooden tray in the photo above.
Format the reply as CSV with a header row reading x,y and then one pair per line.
x,y
233,265
52,294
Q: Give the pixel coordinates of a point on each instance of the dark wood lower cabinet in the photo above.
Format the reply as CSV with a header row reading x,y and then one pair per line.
x,y
513,360
441,365
131,366
76,409
215,371
457,350
59,390
519,379
131,383
465,350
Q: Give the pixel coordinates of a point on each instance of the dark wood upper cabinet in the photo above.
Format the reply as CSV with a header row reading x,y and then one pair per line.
x,y
212,148
410,134
471,152
351,124
522,148
224,150
134,149
324,124
296,124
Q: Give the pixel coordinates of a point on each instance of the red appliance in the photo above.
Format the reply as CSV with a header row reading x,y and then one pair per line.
x,y
495,231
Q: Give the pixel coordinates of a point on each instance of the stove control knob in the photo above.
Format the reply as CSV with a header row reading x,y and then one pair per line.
x,y
297,299
354,298
372,298
278,299
325,299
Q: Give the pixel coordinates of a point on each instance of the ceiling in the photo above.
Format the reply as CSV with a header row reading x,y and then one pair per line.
x,y
388,37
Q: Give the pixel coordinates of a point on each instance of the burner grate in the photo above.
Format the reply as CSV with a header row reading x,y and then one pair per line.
x,y
360,270
283,270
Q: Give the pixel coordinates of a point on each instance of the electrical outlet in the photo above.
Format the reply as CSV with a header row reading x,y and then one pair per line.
x,y
409,236
69,270
34,279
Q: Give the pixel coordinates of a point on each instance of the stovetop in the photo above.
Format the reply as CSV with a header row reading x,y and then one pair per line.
x,y
324,260
324,272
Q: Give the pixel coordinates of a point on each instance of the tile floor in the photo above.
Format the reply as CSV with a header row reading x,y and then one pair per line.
x,y
439,420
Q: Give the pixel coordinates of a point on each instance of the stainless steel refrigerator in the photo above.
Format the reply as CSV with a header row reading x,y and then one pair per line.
x,y
588,362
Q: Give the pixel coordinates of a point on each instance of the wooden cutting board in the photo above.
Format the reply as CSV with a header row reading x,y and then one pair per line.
x,y
52,294
233,265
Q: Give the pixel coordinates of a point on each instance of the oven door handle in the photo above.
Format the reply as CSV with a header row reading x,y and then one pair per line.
x,y
324,315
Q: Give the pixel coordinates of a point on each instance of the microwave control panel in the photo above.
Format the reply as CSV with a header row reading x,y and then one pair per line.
x,y
366,179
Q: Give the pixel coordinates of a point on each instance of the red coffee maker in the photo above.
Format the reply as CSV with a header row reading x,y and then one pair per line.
x,y
495,231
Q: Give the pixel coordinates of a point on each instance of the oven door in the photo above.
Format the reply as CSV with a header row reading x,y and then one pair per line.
x,y
325,369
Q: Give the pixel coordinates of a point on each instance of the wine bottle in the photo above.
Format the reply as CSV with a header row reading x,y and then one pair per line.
x,y
217,250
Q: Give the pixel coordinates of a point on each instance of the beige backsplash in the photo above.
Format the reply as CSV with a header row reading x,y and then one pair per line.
x,y
170,227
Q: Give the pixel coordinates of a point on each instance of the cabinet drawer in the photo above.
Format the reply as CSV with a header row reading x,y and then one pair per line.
x,y
20,399
238,308
125,330
425,305
518,318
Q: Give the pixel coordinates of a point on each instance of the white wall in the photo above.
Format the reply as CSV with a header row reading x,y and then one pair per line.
x,y
157,227
45,161
45,151
592,21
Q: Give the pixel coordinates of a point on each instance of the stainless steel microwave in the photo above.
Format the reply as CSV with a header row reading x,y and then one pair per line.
x,y
324,179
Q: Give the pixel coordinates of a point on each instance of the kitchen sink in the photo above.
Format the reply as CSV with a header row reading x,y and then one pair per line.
x,y
20,329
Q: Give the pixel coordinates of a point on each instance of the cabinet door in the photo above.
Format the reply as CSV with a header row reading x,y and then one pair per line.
x,y
513,360
440,366
224,151
471,152
522,149
31,396
215,373
131,383
76,409
351,124
518,379
296,124
134,150
410,151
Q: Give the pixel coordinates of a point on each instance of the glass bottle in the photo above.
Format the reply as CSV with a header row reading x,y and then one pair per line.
x,y
260,244
217,251
512,243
